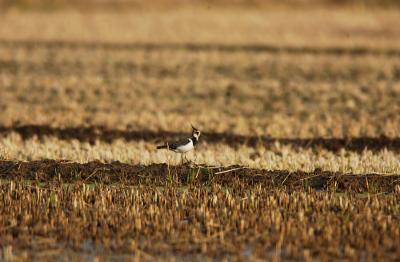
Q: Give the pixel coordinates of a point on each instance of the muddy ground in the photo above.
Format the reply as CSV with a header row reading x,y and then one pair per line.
x,y
161,174
91,134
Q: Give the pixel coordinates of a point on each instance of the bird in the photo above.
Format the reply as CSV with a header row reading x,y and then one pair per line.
x,y
184,145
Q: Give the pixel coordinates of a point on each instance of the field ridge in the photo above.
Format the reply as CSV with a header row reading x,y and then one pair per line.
x,y
117,172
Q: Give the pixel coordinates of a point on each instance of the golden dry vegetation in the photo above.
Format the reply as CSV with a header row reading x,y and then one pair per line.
x,y
299,157
282,95
278,157
197,222
208,26
119,5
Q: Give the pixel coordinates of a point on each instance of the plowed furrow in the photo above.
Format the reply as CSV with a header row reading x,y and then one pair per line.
x,y
160,174
91,134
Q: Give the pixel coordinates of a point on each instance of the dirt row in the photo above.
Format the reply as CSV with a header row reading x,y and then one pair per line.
x,y
204,47
92,134
160,174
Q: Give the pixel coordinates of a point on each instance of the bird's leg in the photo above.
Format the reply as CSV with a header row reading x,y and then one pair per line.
x,y
188,160
184,159
194,161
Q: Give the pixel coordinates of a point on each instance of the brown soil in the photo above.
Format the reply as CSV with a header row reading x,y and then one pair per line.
x,y
158,174
91,134
196,47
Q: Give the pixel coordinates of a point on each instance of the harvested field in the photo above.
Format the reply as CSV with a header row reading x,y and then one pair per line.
x,y
283,94
299,153
288,27
208,215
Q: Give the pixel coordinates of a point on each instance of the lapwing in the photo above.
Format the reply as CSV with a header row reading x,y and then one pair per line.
x,y
184,145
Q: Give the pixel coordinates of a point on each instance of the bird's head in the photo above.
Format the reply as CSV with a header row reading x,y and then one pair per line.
x,y
195,132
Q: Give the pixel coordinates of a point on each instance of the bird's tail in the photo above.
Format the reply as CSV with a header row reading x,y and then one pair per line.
x,y
162,147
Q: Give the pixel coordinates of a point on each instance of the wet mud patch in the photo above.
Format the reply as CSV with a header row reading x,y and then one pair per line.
x,y
95,133
162,174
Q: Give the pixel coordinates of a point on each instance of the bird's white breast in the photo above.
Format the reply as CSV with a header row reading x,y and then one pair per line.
x,y
184,148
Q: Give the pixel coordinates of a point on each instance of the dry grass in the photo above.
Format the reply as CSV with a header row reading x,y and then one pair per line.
x,y
276,158
288,27
282,95
49,5
235,223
